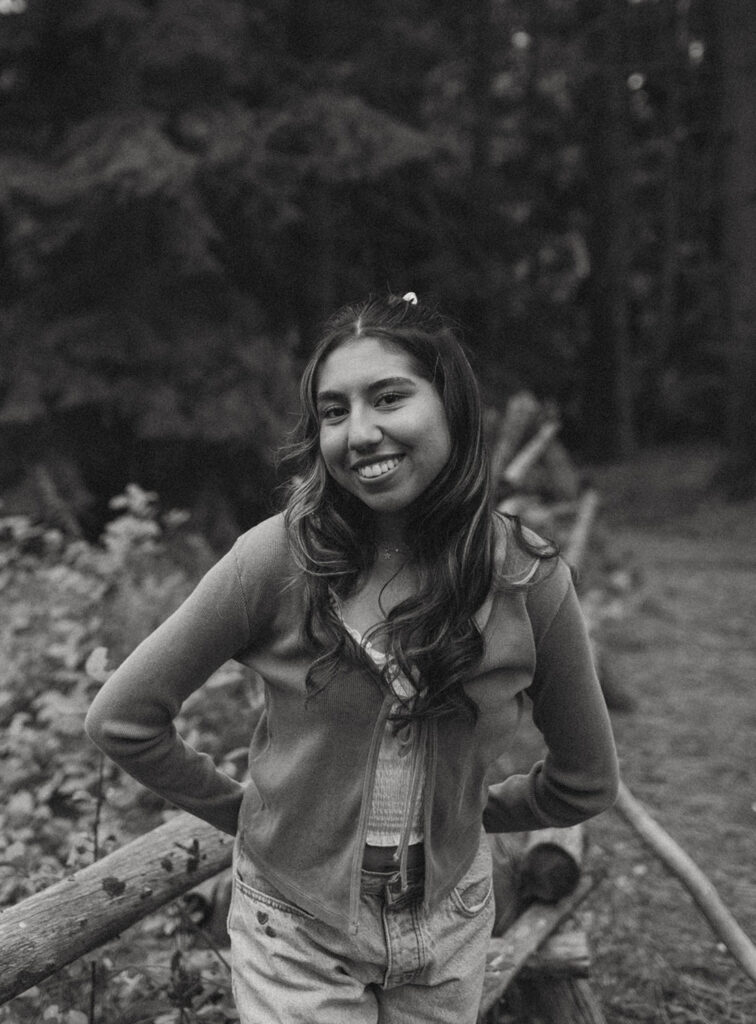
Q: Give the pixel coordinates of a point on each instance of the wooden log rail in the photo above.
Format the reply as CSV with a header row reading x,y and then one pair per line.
x,y
530,453
696,882
509,953
53,928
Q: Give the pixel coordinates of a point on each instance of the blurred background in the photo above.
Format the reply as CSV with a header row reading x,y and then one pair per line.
x,y
188,188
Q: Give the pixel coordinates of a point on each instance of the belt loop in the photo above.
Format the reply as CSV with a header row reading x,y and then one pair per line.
x,y
397,895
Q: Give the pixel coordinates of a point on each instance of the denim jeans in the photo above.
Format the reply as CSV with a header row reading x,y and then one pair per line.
x,y
404,965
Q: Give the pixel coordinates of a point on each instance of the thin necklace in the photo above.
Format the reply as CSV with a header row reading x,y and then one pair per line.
x,y
386,552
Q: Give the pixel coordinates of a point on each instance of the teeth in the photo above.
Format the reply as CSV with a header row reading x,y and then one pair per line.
x,y
377,468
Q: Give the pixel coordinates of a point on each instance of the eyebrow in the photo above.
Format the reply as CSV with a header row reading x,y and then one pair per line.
x,y
386,382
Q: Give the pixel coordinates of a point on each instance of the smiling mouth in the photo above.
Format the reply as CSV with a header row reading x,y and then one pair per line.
x,y
375,469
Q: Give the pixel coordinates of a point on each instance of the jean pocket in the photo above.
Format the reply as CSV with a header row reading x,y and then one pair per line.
x,y
474,891
263,893
506,880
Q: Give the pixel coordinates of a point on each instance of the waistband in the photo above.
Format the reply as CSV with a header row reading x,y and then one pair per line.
x,y
385,858
388,886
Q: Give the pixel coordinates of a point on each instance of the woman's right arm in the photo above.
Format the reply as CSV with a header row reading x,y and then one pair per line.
x,y
131,719
579,775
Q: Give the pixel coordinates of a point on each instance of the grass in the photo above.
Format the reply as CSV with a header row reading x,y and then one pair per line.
x,y
683,652
687,656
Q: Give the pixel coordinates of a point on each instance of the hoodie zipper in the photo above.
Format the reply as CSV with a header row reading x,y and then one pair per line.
x,y
367,799
408,814
428,795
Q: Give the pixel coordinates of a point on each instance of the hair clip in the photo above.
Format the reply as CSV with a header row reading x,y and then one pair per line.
x,y
411,298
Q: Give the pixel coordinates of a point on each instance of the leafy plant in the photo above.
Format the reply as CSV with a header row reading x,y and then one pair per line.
x,y
70,610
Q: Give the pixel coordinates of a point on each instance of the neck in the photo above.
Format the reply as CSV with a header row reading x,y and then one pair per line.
x,y
395,553
392,549
390,532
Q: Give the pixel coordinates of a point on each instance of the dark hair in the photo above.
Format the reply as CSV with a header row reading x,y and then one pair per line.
x,y
432,636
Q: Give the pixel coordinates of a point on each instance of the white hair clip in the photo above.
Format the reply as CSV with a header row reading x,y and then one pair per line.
x,y
411,298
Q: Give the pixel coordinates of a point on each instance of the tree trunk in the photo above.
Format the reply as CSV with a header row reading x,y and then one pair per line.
x,y
737,61
480,67
674,32
609,414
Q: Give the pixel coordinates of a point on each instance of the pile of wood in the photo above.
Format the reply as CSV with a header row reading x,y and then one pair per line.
x,y
539,882
537,887
536,479
534,476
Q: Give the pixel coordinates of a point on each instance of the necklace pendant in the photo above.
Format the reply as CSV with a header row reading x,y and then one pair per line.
x,y
388,553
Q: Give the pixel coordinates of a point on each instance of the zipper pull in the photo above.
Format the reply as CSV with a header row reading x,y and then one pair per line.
x,y
401,853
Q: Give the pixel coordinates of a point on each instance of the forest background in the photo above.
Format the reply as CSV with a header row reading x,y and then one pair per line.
x,y
187,189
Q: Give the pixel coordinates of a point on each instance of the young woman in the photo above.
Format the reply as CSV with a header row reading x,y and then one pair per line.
x,y
397,623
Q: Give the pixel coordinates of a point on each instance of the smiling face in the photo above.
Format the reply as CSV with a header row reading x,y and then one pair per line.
x,y
384,434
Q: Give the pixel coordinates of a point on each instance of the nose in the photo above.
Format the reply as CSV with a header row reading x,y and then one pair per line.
x,y
364,430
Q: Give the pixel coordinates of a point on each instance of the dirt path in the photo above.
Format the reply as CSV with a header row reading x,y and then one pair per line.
x,y
688,749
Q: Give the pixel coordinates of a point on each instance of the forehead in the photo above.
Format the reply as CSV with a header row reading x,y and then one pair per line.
x,y
358,363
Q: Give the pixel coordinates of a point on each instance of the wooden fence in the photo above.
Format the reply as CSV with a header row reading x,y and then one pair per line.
x,y
53,928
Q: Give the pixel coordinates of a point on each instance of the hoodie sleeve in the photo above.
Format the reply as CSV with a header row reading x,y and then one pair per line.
x,y
578,777
131,718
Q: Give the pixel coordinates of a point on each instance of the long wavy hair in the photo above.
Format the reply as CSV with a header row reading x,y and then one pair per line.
x,y
431,637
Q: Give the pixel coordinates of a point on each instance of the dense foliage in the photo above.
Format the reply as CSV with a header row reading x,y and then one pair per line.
x,y
186,188
68,610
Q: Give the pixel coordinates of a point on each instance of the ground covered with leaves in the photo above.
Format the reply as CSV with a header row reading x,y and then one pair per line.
x,y
677,637
683,649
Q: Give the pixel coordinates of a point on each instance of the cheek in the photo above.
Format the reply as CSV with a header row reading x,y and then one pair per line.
x,y
442,436
329,448
446,444
443,453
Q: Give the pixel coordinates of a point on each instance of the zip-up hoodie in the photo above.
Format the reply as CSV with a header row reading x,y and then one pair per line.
x,y
302,817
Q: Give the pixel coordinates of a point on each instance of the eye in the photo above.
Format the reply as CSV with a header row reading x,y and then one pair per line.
x,y
390,398
332,412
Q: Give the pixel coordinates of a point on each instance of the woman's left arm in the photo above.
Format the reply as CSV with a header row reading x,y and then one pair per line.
x,y
131,718
579,776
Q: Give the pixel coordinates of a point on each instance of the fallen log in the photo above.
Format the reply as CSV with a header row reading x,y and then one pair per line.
x,y
560,1001
552,988
695,881
519,421
63,922
551,862
530,453
508,954
563,478
578,542
543,865
563,955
